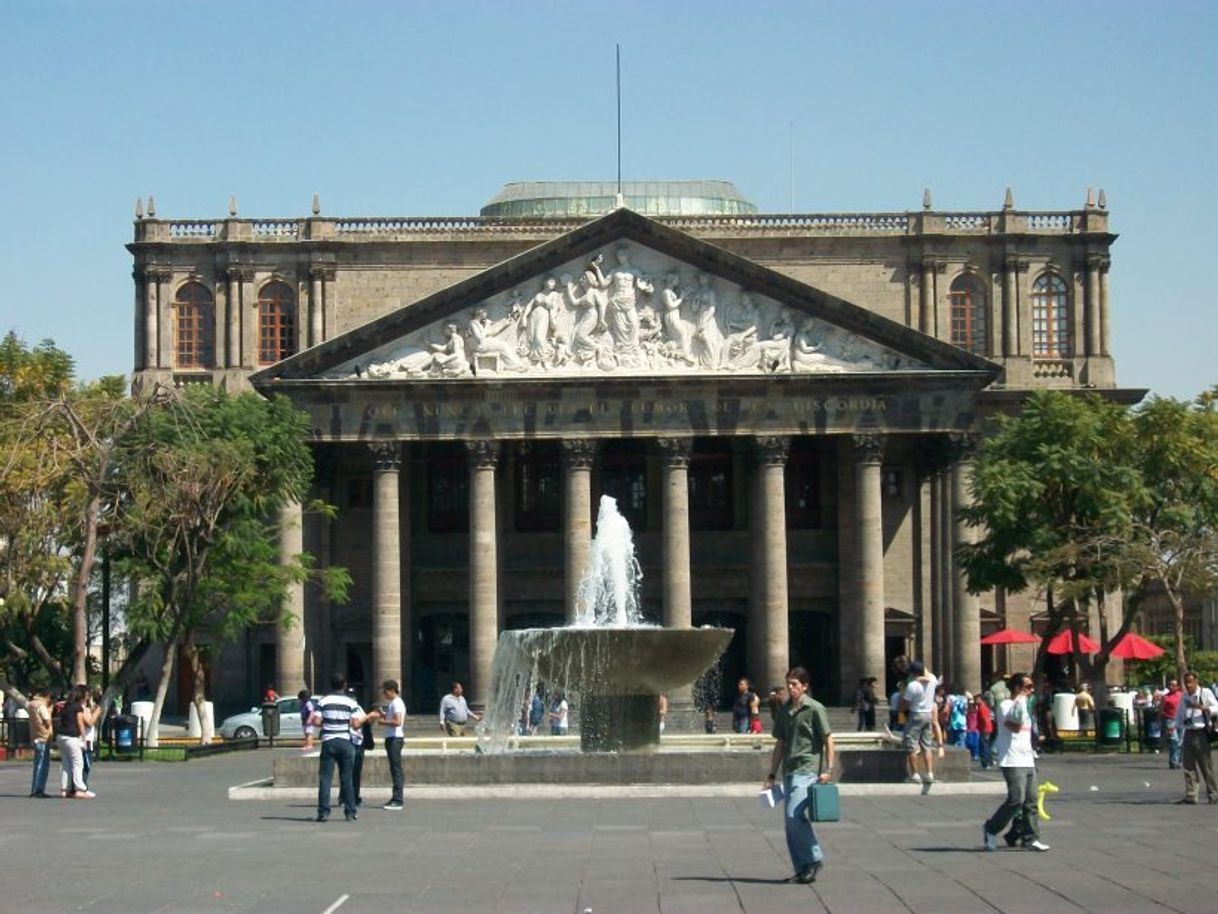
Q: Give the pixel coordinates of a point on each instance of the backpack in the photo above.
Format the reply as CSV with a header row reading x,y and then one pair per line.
x,y
958,719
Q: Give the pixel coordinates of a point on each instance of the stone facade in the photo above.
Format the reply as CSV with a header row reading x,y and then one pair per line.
x,y
812,510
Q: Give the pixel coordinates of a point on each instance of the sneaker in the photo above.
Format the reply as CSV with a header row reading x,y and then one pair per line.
x,y
85,794
928,784
1036,845
914,778
392,805
990,841
350,816
809,875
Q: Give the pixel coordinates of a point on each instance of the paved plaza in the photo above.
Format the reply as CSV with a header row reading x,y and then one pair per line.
x,y
165,837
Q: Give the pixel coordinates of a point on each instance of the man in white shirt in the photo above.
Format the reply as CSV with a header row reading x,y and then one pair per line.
x,y
918,740
455,712
1197,707
1018,763
392,716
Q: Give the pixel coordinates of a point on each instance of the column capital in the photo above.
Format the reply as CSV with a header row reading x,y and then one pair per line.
x,y
578,453
386,456
771,450
240,274
868,447
962,445
1016,263
483,454
675,451
1097,260
157,274
326,272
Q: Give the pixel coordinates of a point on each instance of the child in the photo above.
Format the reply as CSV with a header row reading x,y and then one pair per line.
x,y
306,715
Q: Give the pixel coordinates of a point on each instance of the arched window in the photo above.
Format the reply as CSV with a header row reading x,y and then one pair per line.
x,y
969,313
276,322
194,326
1050,317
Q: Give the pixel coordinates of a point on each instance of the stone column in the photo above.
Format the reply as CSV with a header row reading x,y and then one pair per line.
x,y
152,334
386,563
1105,316
771,510
577,457
232,336
316,321
1092,343
966,630
140,341
946,570
677,598
869,524
1010,307
166,340
483,567
290,635
926,299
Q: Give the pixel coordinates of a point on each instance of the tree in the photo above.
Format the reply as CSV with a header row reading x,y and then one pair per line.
x,y
1175,529
1054,491
204,479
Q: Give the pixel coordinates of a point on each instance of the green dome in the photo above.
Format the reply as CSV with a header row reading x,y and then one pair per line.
x,y
595,198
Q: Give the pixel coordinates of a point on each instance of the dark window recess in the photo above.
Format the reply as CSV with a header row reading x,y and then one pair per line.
x,y
803,493
359,492
625,479
710,491
538,494
447,493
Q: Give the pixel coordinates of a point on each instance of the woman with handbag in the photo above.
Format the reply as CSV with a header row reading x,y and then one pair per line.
x,y
803,746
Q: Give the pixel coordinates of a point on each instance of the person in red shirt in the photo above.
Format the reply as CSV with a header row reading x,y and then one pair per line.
x,y
1169,704
985,731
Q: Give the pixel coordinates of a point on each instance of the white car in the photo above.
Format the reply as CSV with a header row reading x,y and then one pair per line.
x,y
248,724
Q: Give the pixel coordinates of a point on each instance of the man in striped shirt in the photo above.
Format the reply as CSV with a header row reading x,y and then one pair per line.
x,y
337,715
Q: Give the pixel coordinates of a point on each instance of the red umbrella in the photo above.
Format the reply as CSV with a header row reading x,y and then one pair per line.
x,y
1062,643
1135,647
1010,636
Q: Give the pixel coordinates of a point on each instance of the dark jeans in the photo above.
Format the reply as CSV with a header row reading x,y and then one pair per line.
x,y
342,753
1021,795
866,719
393,753
357,773
42,764
984,749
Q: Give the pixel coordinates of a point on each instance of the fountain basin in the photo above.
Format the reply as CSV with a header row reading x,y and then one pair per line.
x,y
618,674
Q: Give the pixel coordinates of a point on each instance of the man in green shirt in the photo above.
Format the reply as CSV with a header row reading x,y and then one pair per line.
x,y
803,746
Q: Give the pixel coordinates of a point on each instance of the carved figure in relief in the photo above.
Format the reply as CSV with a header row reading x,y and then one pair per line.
x,y
677,331
405,360
708,338
808,349
740,348
498,337
448,358
854,354
776,348
537,321
586,300
619,313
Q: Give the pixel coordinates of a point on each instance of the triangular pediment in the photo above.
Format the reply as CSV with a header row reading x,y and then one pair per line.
x,y
624,296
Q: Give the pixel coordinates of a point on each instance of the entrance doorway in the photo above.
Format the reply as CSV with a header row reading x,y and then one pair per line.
x,y
813,639
441,656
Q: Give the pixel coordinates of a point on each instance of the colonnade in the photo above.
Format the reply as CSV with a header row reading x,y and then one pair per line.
x,y
953,619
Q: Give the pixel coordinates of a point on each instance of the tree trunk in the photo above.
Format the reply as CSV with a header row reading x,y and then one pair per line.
x,y
80,594
199,697
1099,665
1177,607
153,736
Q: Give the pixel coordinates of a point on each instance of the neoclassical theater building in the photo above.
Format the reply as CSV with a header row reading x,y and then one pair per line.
x,y
782,406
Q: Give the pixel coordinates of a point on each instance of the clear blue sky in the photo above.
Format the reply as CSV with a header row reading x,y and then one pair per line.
x,y
428,108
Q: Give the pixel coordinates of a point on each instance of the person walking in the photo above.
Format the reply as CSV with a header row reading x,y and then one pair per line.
x,y
921,728
70,728
1198,707
746,707
41,733
338,715
803,747
865,701
1169,704
1018,764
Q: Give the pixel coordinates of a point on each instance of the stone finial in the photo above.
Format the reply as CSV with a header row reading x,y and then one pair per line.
x,y
139,209
926,199
619,201
1103,199
317,204
151,207
1090,198
1008,202
232,204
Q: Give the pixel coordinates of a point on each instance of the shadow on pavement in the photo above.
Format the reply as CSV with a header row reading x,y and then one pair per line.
x,y
751,880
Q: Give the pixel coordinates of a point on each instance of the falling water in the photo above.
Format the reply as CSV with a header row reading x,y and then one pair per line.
x,y
608,593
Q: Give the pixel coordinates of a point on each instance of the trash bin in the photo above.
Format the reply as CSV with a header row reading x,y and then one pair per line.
x,y
126,733
1111,731
270,719
1152,728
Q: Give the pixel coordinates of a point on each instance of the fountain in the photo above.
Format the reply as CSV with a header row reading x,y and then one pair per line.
x,y
609,659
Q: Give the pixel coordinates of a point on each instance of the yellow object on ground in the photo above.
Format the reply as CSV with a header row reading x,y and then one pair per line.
x,y
1046,788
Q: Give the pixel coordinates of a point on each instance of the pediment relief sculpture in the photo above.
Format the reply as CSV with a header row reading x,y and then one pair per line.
x,y
626,311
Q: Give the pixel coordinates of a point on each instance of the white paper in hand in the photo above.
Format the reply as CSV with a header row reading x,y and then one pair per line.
x,y
771,798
